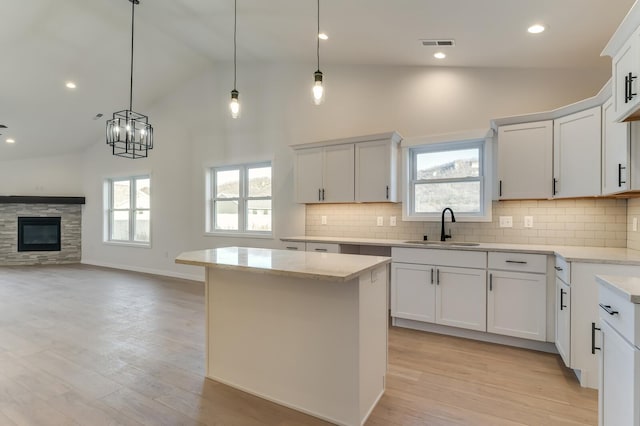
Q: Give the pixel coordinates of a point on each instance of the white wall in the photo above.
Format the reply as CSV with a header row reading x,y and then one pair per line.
x,y
44,176
193,130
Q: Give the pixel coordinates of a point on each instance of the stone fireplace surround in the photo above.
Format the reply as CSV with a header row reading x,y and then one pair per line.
x,y
68,208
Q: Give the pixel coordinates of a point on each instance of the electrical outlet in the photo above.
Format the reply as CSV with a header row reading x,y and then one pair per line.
x,y
392,221
635,224
506,221
528,221
380,221
323,220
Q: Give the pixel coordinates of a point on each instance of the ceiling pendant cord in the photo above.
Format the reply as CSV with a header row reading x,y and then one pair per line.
x,y
234,105
318,89
133,11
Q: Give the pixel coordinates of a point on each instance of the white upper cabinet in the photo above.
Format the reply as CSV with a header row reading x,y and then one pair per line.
x,y
615,152
577,152
525,158
625,81
362,169
377,171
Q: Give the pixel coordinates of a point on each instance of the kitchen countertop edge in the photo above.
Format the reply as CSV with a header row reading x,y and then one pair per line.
x,y
628,287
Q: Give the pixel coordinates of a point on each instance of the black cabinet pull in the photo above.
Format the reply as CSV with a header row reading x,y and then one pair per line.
x,y
322,194
431,276
500,186
626,89
521,262
490,282
608,309
557,268
554,186
291,248
437,276
628,81
620,169
319,194
594,348
387,192
562,305
320,249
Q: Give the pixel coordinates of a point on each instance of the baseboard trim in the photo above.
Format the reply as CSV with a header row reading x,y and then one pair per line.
x,y
161,272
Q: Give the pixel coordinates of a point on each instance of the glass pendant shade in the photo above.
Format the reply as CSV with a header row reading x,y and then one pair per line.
x,y
129,134
234,105
318,88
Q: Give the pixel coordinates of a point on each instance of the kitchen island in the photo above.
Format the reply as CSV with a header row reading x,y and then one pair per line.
x,y
303,329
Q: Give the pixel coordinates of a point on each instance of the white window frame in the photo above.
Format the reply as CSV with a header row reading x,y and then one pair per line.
x,y
133,210
484,178
243,211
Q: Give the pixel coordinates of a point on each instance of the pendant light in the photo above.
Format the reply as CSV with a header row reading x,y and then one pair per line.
x,y
318,88
234,106
128,132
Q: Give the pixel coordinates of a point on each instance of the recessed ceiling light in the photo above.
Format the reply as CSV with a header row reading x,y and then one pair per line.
x,y
323,36
70,85
439,55
536,29
10,140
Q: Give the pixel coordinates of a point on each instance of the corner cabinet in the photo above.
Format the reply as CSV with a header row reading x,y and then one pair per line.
x,y
577,153
361,169
525,160
615,152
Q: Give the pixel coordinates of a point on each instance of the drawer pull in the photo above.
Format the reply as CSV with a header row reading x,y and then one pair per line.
x,y
521,262
292,248
594,348
558,268
608,309
320,249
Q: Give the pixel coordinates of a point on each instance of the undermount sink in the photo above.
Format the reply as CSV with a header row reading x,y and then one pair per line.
x,y
444,243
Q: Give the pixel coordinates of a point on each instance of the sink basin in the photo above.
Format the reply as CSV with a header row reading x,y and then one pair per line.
x,y
444,243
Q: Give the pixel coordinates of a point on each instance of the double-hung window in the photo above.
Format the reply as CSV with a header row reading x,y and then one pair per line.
x,y
448,175
240,199
128,212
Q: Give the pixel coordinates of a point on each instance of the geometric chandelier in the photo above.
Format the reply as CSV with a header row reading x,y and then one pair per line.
x,y
128,132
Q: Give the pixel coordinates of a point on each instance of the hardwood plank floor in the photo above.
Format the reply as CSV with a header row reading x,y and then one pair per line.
x,y
82,345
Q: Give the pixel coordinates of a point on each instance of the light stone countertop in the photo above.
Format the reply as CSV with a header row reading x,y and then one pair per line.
x,y
308,265
608,255
629,287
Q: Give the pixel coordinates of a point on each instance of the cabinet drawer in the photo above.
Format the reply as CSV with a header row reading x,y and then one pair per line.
x,y
520,262
324,247
459,258
563,269
620,313
293,245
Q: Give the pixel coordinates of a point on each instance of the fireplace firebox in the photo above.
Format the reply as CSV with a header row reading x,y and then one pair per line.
x,y
39,234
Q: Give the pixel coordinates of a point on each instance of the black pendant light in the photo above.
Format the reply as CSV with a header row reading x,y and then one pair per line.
x,y
234,106
318,88
128,132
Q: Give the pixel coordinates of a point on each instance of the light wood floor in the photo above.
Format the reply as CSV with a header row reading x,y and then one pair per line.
x,y
89,346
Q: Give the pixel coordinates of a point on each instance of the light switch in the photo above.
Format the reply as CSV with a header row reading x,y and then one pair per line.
x,y
528,221
380,221
323,220
392,221
506,221
635,223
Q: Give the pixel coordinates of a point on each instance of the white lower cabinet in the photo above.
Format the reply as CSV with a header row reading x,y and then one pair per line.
x,y
563,320
413,294
619,394
461,298
516,304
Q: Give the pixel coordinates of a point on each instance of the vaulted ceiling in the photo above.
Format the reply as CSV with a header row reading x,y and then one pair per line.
x,y
44,43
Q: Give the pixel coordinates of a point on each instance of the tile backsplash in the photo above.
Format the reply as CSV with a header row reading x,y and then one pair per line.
x,y
580,222
633,210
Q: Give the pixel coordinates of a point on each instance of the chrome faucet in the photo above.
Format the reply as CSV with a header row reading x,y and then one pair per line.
x,y
443,236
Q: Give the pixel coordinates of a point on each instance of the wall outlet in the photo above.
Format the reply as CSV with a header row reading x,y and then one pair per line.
x,y
506,221
528,221
323,220
380,221
635,224
392,221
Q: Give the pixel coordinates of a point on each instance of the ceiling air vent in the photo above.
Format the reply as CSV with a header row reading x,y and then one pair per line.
x,y
438,43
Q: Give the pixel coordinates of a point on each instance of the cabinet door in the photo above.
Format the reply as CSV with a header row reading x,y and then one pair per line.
x,y
461,298
412,292
338,176
577,153
623,63
375,171
517,304
619,380
308,175
615,152
525,158
563,321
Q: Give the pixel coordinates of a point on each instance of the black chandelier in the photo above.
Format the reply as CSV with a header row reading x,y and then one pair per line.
x,y
128,132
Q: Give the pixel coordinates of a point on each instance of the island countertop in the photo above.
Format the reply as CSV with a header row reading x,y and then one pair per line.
x,y
627,287
310,265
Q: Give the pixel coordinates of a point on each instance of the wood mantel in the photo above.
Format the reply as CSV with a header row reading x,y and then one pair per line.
x,y
34,199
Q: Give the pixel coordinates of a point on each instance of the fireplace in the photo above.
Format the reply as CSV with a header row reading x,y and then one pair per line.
x,y
38,233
